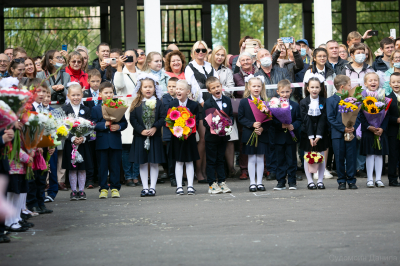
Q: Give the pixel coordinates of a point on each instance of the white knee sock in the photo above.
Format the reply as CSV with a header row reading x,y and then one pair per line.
x,y
321,171
260,168
251,167
370,167
179,173
144,175
17,205
190,173
23,200
10,218
378,167
153,175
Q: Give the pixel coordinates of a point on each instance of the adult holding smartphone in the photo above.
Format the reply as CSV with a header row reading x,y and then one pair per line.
x,y
125,80
102,52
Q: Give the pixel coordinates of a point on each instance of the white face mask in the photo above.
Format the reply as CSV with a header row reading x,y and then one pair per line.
x,y
266,61
359,58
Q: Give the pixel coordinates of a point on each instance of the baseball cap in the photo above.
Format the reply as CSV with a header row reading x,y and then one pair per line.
x,y
303,41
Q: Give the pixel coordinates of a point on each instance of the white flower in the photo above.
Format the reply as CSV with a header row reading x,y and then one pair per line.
x,y
151,103
228,130
9,82
216,119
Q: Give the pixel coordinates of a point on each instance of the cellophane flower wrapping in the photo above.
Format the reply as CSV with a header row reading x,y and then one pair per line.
x,y
113,109
280,109
7,116
219,122
149,116
181,122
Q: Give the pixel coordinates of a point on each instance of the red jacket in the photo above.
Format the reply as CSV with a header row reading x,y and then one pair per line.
x,y
78,76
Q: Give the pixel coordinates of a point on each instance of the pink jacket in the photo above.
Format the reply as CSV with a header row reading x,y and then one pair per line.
x,y
19,168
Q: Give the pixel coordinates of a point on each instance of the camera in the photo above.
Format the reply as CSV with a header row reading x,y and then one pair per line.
x,y
58,96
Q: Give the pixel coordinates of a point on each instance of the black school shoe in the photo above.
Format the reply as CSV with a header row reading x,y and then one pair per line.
x,y
45,210
260,187
37,210
280,186
353,186
152,192
21,229
24,223
342,186
394,184
252,188
4,238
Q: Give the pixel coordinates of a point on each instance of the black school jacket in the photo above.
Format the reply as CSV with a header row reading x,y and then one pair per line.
x,y
309,127
211,103
393,113
282,137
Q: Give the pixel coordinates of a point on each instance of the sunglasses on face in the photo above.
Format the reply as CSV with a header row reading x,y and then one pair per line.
x,y
201,50
19,60
76,62
142,53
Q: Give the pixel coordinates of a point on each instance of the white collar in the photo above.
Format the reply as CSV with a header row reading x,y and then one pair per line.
x,y
151,98
183,103
35,104
397,94
91,90
254,97
313,100
215,99
319,71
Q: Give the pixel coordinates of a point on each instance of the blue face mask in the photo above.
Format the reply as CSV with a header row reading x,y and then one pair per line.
x,y
396,65
58,65
303,52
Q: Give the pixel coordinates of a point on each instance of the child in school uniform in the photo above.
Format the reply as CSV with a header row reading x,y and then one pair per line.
x,y
343,150
285,146
35,197
77,175
148,93
185,152
53,181
374,155
314,135
255,88
108,145
216,145
167,100
94,79
393,130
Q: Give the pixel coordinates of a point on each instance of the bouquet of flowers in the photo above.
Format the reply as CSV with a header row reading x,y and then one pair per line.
x,y
149,117
349,106
7,116
81,127
313,159
261,114
375,106
219,122
280,108
181,122
32,134
113,110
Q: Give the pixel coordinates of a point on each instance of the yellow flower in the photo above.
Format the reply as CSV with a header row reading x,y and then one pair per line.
x,y
372,109
369,100
185,115
179,122
180,108
62,131
341,103
186,130
173,108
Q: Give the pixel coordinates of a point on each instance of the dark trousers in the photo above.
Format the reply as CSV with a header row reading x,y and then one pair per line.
x,y
36,187
92,174
171,162
287,163
394,145
215,157
109,160
53,181
271,160
345,150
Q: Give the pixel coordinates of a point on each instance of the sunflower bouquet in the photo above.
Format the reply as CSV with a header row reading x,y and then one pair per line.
x,y
375,106
181,122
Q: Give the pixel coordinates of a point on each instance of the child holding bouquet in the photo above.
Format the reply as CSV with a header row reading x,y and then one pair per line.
x,y
185,152
108,143
147,116
314,136
254,89
374,122
77,172
215,144
285,141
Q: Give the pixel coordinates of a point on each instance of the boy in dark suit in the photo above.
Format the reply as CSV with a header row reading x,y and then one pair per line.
x,y
108,145
167,100
343,150
393,129
216,145
94,79
285,146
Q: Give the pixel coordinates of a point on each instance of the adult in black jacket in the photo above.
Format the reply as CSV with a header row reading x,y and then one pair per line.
x,y
382,62
337,63
102,51
394,143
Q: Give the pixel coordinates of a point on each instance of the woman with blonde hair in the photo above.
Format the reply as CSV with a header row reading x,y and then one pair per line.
x,y
153,65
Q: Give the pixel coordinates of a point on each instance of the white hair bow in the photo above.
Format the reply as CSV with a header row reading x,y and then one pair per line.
x,y
69,84
144,75
9,82
246,79
310,75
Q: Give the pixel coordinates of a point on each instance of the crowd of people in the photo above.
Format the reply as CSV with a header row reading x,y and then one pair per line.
x,y
211,78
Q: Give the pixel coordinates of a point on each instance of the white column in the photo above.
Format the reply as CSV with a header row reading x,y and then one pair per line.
x,y
152,26
322,21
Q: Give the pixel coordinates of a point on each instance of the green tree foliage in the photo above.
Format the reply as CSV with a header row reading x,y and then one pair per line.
x,y
38,30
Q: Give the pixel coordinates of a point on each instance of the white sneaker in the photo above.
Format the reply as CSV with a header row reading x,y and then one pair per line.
x,y
315,176
379,183
225,188
327,175
214,189
370,184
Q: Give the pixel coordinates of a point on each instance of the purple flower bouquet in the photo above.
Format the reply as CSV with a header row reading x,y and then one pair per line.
x,y
281,110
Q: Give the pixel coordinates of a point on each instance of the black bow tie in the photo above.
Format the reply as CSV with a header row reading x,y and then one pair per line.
x,y
322,73
218,100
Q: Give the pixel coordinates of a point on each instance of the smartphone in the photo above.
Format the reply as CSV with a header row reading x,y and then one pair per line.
x,y
393,33
113,61
64,47
130,59
250,45
287,39
373,33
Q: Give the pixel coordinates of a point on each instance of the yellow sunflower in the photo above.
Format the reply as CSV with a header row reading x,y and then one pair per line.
x,y
369,101
372,109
